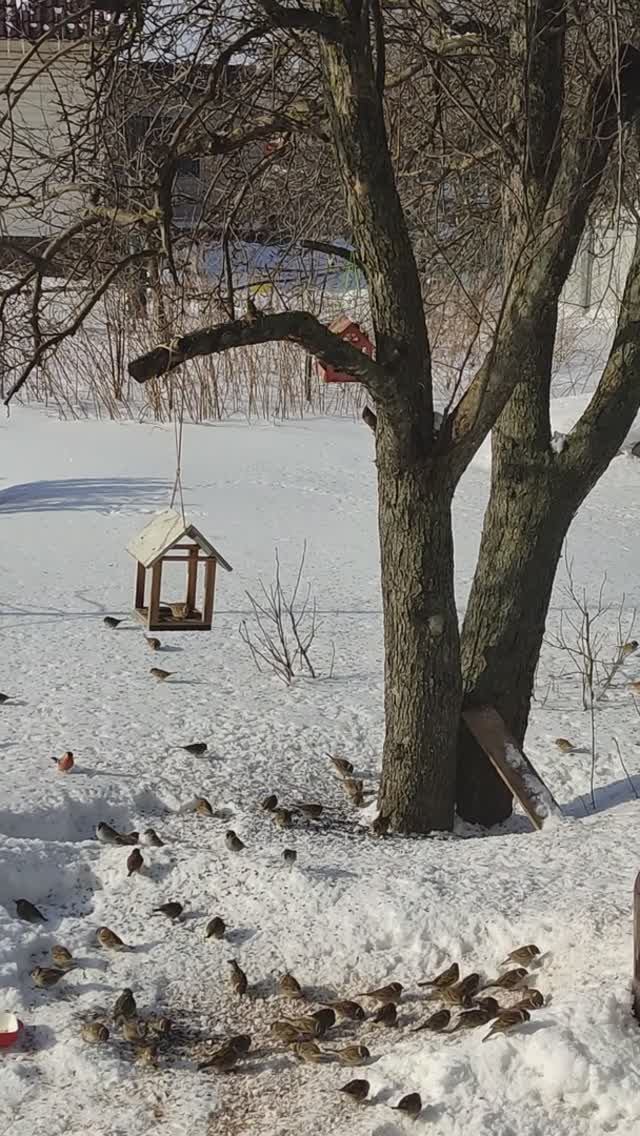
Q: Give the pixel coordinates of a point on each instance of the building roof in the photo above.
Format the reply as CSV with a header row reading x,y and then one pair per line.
x,y
163,531
32,19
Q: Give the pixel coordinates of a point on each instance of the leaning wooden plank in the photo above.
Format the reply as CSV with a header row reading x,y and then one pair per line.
x,y
511,763
636,948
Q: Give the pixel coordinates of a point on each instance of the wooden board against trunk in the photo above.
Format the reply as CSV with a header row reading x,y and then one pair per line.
x,y
511,763
636,948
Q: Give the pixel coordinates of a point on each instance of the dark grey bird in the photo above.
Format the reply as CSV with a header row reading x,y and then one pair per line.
x,y
269,803
215,928
172,909
233,842
387,1014
195,748
5,698
289,855
152,839
436,1023
358,1090
29,912
238,978
125,1007
110,621
411,1105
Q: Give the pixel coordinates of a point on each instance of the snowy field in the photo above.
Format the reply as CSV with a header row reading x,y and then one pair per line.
x,y
352,912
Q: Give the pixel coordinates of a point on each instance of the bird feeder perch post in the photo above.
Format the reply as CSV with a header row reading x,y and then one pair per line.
x,y
154,598
141,574
635,986
192,578
209,590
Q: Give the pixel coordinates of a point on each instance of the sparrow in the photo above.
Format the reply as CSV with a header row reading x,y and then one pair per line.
x,y
326,1017
215,928
289,987
491,1005
125,1006
133,1030
238,978
357,1090
354,790
386,1015
94,1032
446,978
509,980
350,1011
344,767
533,1000
233,842
390,993
150,837
289,1033
380,825
411,1105
282,817
46,976
269,803
147,1055
564,745
454,996
352,1054
173,909
241,1042
252,310
29,912
471,1019
159,674
5,698
310,810
628,648
309,1025
155,644
163,1026
308,1052
110,621
195,748
523,955
108,835
108,939
436,1023
64,763
289,855
62,958
135,862
203,808
222,1061
507,1020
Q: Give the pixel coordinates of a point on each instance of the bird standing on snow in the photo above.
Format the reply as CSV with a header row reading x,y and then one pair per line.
x,y
523,955
509,980
380,825
289,987
195,748
233,841
5,698
309,809
564,745
308,1052
357,1090
239,979
151,838
344,767
111,622
290,856
222,1061
29,912
62,958
173,909
326,1018
533,1000
436,1023
386,1015
94,1033
282,817
109,940
411,1105
506,1021
390,993
447,977
153,643
135,862
269,803
215,928
46,976
64,763
350,1011
159,674
202,807
125,1007
352,1054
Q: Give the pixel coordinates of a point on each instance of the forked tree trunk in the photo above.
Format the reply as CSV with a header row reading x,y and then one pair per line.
x,y
422,684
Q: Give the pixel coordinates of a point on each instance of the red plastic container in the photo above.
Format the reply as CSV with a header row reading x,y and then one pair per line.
x,y
10,1029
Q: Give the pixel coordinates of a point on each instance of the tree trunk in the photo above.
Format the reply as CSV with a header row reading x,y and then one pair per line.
x,y
422,684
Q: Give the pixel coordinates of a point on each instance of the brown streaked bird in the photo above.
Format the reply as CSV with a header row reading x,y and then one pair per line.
x,y
46,976
282,817
108,835
239,979
354,789
507,1020
111,622
533,1000
390,993
289,987
447,977
310,809
344,767
290,856
108,939
471,1019
308,1052
380,826
215,928
269,803
29,912
152,839
491,1005
161,1025
241,1042
350,1011
173,909
564,745
147,1054
523,955
153,643
453,996
288,1032
386,1015
202,807
357,1090
133,1030
411,1105
233,842
159,674
436,1023
222,1061
308,1025
125,1006
62,958
352,1054
181,610
509,980
326,1017
95,1033
135,862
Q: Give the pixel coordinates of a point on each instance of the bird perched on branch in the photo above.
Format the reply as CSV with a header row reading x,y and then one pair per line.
x,y
253,312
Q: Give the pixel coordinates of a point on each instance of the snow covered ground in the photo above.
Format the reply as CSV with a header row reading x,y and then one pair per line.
x,y
352,912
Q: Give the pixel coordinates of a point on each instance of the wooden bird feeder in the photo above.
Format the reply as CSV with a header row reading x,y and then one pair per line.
x,y
168,538
348,329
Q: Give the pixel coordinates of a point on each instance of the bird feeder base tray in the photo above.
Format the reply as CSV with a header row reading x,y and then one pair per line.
x,y
168,622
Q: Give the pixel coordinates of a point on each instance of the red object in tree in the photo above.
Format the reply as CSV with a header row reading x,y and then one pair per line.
x,y
347,329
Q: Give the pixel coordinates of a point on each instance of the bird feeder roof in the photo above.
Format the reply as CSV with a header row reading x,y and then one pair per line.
x,y
162,533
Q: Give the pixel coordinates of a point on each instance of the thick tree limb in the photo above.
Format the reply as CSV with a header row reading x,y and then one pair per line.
x,y
296,327
301,19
